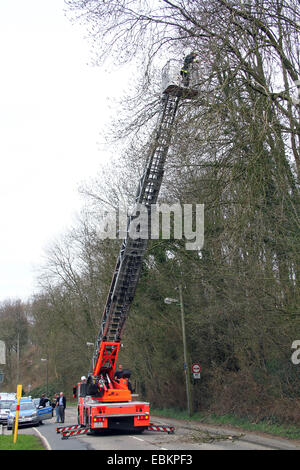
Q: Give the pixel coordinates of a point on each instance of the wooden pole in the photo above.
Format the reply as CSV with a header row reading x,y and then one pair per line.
x,y
185,354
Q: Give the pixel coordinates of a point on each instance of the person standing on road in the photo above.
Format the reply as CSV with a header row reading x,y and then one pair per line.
x,y
43,401
55,406
61,406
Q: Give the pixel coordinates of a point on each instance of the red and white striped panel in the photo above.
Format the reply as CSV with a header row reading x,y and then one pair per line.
x,y
68,428
66,434
154,427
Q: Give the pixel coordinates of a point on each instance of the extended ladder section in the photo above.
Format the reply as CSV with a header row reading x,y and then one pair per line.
x,y
130,259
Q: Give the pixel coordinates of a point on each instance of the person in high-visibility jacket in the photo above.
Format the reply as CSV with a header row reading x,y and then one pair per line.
x,y
184,72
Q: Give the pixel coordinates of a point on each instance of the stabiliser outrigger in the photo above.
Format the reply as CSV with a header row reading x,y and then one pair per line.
x,y
105,403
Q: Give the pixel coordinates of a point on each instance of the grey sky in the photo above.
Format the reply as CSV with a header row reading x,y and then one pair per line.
x,y
53,106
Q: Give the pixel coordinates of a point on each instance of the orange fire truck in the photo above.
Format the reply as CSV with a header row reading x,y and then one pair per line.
x,y
103,402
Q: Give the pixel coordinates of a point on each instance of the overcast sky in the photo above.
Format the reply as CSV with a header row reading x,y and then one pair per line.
x,y
53,105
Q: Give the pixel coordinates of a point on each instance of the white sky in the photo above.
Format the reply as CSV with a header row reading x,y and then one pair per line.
x,y
53,106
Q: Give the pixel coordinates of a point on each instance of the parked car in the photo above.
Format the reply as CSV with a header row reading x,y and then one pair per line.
x,y
45,412
29,413
8,396
5,409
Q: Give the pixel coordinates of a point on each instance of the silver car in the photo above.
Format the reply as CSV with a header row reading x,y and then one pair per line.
x,y
4,410
28,414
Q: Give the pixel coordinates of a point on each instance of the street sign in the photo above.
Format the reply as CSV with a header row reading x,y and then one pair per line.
x,y
196,368
196,375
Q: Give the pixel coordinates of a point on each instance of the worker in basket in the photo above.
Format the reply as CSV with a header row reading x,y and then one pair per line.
x,y
188,61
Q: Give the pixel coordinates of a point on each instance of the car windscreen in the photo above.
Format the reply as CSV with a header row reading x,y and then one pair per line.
x,y
5,404
23,407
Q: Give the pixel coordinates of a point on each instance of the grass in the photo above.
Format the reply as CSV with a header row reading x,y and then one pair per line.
x,y
24,442
266,426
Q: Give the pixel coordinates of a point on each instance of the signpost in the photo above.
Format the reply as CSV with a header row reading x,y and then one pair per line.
x,y
19,394
196,369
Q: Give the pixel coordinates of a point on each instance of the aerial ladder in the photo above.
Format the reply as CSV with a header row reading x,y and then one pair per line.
x,y
103,402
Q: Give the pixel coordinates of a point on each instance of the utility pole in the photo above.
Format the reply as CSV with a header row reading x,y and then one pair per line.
x,y
18,357
47,379
46,360
2,361
186,365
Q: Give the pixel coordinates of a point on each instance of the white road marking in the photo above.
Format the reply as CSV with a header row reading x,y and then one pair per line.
x,y
48,447
143,440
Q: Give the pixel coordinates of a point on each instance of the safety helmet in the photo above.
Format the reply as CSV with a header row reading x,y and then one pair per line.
x,y
83,377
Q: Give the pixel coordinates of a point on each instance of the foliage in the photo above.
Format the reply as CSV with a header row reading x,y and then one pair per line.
x,y
268,426
235,149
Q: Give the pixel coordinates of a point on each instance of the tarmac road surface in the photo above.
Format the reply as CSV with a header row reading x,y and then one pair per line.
x,y
187,437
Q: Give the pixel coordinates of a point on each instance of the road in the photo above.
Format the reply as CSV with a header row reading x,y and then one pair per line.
x,y
187,437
